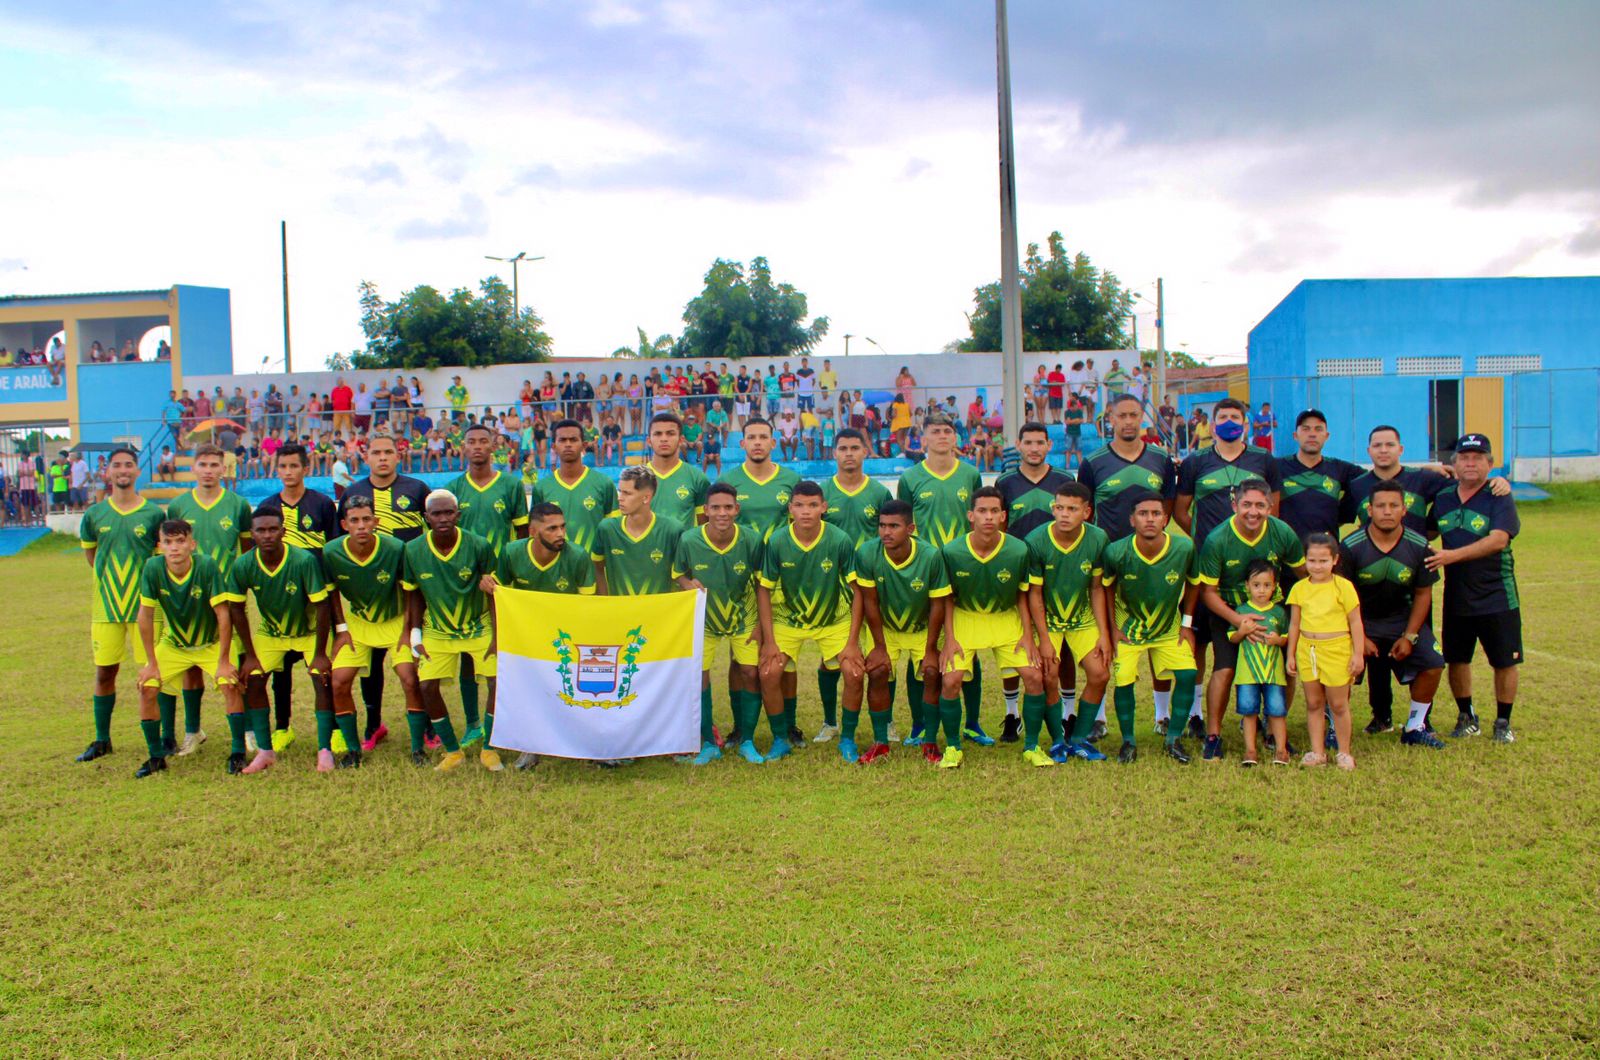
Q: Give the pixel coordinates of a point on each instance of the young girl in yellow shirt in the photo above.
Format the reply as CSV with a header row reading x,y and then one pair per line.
x,y
1324,625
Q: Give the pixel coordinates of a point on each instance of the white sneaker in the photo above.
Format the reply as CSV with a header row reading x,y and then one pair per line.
x,y
826,733
894,734
525,761
250,745
191,743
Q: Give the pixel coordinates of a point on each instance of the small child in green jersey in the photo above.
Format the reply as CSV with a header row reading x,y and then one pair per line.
x,y
1260,679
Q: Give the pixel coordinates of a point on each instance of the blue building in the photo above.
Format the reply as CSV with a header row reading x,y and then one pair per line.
x,y
1517,359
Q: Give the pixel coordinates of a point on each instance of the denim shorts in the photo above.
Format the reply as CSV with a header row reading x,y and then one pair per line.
x,y
1253,697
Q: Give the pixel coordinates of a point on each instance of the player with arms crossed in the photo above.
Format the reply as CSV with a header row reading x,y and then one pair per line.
x,y
901,590
585,496
680,486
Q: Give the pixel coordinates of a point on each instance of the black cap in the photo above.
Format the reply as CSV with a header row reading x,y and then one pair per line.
x,y
1310,414
1473,443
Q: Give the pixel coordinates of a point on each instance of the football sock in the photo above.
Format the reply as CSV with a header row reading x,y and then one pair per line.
x,y
1011,701
261,722
1054,722
1464,704
1123,698
191,709
237,723
324,730
780,725
914,690
828,689
852,720
1163,705
972,695
1502,711
950,715
446,731
488,725
417,722
1032,719
1083,725
1100,715
102,716
347,725
749,714
1182,682
1197,702
282,688
152,736
167,704
372,693
469,701
706,735
790,709
880,725
1418,715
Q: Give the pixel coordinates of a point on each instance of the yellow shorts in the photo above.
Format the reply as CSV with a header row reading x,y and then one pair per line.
x,y
110,642
1326,662
367,637
1165,657
830,641
174,662
741,649
912,645
444,657
977,630
1079,642
270,651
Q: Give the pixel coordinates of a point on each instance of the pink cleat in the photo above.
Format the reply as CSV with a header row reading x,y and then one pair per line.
x,y
324,761
432,743
378,736
263,761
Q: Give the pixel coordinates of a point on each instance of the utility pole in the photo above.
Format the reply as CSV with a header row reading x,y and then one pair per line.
x,y
516,277
847,339
1010,289
283,248
1161,345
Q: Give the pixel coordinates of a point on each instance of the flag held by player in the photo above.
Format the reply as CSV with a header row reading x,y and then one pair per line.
x,y
599,676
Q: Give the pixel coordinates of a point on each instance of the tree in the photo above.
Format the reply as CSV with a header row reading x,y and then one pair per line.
x,y
735,316
663,346
426,329
1067,304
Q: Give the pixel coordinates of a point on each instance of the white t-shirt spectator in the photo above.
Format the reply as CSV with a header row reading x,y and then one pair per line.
x,y
80,473
363,402
341,473
788,427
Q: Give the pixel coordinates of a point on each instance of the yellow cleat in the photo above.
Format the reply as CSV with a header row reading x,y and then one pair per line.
x,y
952,758
451,760
338,744
1037,757
282,740
491,760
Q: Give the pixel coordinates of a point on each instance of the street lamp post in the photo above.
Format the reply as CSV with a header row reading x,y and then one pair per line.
x,y
516,285
1010,290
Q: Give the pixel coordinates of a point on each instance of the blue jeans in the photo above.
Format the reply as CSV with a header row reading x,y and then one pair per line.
x,y
1252,699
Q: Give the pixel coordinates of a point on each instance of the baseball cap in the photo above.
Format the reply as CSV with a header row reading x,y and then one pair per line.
x,y
1310,414
1473,443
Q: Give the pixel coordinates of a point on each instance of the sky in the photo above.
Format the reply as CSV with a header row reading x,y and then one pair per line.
x,y
1231,149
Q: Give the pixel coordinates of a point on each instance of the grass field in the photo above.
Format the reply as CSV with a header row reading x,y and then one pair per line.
x,y
1427,904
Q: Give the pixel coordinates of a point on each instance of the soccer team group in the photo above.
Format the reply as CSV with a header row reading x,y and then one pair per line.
x,y
1055,577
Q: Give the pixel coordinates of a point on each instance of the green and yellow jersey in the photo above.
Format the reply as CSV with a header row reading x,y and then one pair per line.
x,y
1066,574
122,541
1148,598
586,503
855,511
218,527
284,594
814,578
1226,553
939,502
987,584
905,590
1262,664
187,604
763,505
455,607
399,505
638,566
680,493
371,587
309,522
729,575
572,571
493,512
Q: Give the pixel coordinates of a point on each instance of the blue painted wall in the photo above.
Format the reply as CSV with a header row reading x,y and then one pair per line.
x,y
31,383
205,330
122,400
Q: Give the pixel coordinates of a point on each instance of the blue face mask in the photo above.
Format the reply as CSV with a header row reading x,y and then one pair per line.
x,y
1229,431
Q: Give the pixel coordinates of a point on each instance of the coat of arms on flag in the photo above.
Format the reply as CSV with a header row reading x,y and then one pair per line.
x,y
598,675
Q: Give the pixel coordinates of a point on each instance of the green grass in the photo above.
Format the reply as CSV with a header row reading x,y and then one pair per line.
x,y
1427,904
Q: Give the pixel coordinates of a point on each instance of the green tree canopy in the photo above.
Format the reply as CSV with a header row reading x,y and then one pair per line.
x,y
427,329
661,346
1067,304
747,316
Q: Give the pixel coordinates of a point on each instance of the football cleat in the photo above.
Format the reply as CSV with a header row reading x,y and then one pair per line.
x,y
1179,753
420,758
1161,726
236,763
97,749
709,752
847,750
473,736
1086,751
915,739
975,733
1420,738
375,737
930,753
1011,731
350,760
1128,755
431,742
1379,725
780,749
490,760
191,743
1197,727
451,760
282,739
747,751
338,744
952,758
826,733
169,745
873,754
1097,732
525,762
151,765
1466,725
1037,757
1502,731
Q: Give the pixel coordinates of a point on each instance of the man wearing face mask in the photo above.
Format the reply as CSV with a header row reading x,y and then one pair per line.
x,y
1207,480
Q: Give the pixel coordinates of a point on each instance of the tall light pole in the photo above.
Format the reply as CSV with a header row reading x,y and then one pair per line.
x,y
847,338
1010,289
1161,343
283,250
516,280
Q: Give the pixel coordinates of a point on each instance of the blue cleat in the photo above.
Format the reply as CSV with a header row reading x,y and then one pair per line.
x,y
847,751
1059,752
915,739
1085,751
976,734
709,752
780,749
751,755
1421,738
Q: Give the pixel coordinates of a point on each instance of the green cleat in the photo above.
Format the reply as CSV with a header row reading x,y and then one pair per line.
x,y
474,736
